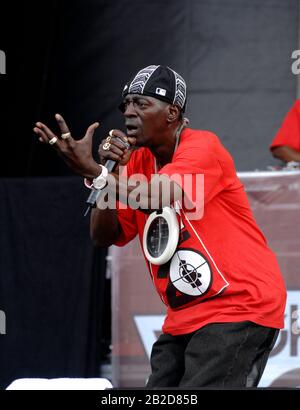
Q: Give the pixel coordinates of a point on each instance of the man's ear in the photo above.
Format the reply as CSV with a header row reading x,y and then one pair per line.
x,y
173,113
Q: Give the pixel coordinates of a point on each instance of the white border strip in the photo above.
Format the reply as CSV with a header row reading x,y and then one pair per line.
x,y
263,174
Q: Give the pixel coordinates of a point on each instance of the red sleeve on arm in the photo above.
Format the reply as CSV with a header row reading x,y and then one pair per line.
x,y
289,132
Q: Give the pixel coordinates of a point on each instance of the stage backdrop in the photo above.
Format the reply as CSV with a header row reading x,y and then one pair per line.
x,y
75,57
138,312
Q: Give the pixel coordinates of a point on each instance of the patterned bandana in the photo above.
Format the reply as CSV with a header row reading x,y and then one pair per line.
x,y
160,82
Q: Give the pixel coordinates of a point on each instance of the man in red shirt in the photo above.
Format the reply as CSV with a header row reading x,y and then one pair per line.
x,y
222,287
286,143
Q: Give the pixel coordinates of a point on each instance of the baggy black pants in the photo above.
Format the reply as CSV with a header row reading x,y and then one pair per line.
x,y
219,355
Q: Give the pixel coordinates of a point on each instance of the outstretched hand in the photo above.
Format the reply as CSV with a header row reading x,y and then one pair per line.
x,y
76,153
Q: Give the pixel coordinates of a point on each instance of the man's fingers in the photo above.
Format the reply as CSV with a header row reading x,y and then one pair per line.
x,y
46,130
132,141
90,131
42,136
116,150
119,134
46,135
64,129
62,124
114,157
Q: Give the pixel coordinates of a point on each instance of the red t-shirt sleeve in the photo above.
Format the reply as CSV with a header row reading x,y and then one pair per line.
x,y
289,132
197,156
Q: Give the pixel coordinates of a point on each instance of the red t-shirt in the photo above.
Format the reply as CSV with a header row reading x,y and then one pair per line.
x,y
233,275
289,132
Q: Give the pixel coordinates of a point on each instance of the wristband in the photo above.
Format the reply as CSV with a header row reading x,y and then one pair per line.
x,y
100,181
88,183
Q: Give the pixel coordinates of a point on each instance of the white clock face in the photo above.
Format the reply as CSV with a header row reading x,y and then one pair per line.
x,y
190,272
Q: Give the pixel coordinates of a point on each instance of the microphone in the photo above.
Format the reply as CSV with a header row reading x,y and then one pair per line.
x,y
110,164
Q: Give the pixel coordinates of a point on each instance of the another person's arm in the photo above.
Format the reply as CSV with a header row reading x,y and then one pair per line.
x,y
286,153
286,143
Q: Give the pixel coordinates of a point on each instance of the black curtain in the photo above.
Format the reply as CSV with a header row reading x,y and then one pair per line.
x,y
75,57
50,287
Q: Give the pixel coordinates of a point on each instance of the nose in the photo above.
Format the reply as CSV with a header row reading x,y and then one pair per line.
x,y
129,110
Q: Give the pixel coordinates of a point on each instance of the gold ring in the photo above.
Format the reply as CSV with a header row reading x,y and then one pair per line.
x,y
111,133
106,146
52,141
107,139
66,135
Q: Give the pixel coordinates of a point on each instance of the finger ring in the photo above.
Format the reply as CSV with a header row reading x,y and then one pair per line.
x,y
106,146
52,141
111,133
66,135
107,139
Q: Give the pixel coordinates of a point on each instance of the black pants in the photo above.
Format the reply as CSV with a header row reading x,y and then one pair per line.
x,y
219,355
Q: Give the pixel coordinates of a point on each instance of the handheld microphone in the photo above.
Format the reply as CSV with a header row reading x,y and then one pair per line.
x,y
110,164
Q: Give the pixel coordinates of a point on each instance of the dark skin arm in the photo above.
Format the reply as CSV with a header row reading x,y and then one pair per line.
x,y
104,221
78,156
286,153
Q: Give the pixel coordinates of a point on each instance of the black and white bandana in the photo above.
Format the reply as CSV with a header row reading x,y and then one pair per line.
x,y
160,82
